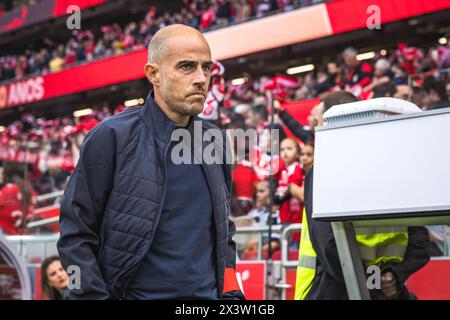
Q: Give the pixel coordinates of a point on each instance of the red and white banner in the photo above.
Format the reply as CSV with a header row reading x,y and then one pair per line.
x,y
12,153
22,92
252,279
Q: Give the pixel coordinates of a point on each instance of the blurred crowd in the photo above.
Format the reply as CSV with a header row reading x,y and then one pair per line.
x,y
409,73
114,39
50,147
8,5
417,74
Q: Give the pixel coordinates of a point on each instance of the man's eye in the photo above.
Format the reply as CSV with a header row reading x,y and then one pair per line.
x,y
185,66
207,68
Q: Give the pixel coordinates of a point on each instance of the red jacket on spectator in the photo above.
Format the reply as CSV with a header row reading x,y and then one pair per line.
x,y
291,208
11,214
261,164
207,18
244,179
360,75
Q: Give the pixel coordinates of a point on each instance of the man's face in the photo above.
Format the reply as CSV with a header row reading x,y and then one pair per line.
x,y
307,156
332,68
403,92
378,72
418,98
315,117
262,193
289,151
350,60
183,75
252,119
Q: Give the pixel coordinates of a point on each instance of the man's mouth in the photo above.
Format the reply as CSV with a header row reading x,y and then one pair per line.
x,y
197,94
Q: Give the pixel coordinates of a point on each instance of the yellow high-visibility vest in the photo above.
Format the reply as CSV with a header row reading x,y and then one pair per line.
x,y
306,268
379,246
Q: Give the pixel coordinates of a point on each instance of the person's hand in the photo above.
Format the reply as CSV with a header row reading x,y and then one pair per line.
x,y
281,191
380,81
389,285
277,105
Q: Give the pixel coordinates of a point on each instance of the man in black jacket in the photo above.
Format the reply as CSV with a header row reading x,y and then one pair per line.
x,y
328,283
136,223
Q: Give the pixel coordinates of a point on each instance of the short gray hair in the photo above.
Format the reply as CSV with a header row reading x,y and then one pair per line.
x,y
349,51
155,46
383,64
157,43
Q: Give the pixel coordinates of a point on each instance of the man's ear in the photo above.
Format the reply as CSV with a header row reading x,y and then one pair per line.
x,y
152,73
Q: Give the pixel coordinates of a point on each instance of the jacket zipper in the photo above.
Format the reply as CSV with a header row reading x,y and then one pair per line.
x,y
137,264
216,226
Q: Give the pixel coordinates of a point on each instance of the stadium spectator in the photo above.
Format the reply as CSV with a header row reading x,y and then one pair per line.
x,y
243,10
208,16
8,5
54,279
290,207
57,62
224,13
435,94
403,92
307,161
2,170
388,89
262,206
332,79
114,39
17,199
381,74
447,88
244,180
257,118
260,215
358,74
307,156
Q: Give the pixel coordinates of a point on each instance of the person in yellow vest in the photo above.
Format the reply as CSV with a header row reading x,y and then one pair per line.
x,y
398,252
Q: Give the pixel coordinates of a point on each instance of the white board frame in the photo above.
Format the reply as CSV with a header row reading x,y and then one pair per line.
x,y
352,160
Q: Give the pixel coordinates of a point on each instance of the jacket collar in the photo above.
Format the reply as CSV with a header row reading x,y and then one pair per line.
x,y
156,121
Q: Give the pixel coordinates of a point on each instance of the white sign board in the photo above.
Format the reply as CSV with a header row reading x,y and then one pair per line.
x,y
398,166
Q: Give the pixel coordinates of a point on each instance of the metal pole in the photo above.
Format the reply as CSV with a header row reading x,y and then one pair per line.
x,y
271,180
351,263
271,187
26,199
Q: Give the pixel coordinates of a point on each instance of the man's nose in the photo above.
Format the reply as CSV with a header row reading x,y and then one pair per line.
x,y
200,78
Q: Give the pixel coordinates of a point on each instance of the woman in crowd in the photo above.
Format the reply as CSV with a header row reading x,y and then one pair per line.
x,y
54,279
260,215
